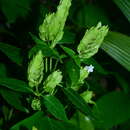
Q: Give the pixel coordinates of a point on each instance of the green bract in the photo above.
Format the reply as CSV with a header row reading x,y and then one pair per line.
x,y
52,81
35,70
92,40
87,96
36,104
53,24
83,75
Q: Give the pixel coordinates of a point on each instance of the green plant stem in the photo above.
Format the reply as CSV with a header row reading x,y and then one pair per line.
x,y
50,64
56,64
46,65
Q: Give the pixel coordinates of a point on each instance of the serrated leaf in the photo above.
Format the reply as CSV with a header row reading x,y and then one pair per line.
x,y
117,45
112,109
78,101
124,5
12,52
54,106
13,98
15,84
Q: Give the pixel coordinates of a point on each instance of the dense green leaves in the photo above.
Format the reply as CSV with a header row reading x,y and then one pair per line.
x,y
13,98
15,84
117,46
124,5
54,106
12,52
78,101
112,109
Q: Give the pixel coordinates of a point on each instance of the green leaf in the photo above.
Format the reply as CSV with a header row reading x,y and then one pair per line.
x,y
13,98
42,123
90,15
12,52
69,51
54,106
112,109
46,50
9,9
78,101
29,122
124,5
15,84
3,72
117,46
73,71
82,121
68,38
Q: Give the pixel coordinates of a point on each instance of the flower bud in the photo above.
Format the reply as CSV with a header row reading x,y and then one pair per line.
x,y
52,81
36,104
53,24
87,96
35,70
91,41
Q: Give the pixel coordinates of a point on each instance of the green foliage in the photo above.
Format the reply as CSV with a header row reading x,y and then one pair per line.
x,y
112,109
12,52
9,9
15,84
118,46
124,5
78,101
54,106
13,98
59,81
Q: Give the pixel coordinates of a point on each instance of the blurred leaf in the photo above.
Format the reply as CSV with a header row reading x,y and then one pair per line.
x,y
117,46
42,123
90,15
68,38
15,84
73,71
122,82
112,109
54,106
2,70
14,9
78,101
124,5
81,121
13,98
12,52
